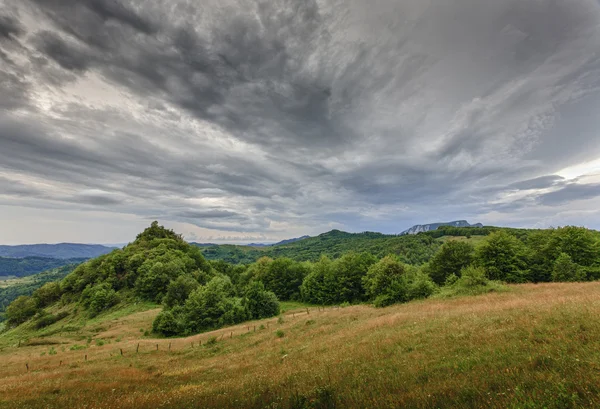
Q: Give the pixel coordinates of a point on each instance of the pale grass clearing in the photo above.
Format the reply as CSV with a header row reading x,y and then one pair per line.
x,y
533,346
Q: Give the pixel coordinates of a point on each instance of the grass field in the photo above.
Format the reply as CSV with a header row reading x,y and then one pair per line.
x,y
535,346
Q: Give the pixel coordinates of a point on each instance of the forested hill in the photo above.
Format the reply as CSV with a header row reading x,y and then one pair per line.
x,y
57,251
411,249
22,267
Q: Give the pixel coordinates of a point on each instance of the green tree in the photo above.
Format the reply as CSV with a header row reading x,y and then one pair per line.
x,y
504,258
98,298
318,284
450,259
348,272
565,270
258,302
20,310
179,290
47,294
284,277
383,276
167,322
211,306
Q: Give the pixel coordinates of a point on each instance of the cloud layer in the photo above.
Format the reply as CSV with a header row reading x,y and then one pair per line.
x,y
239,119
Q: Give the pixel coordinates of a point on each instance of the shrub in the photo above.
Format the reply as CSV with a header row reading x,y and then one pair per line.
x,y
383,276
284,277
47,294
258,302
473,281
390,281
179,290
98,298
208,307
504,258
279,333
450,259
166,323
43,319
566,270
20,310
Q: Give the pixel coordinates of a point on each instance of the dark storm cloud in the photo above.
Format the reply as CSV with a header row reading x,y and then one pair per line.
x,y
66,54
10,27
243,74
238,115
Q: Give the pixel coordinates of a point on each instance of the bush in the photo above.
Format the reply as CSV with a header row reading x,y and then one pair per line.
x,y
47,294
43,319
389,281
566,270
473,281
208,307
167,323
98,298
451,258
179,290
258,302
284,277
20,310
279,333
383,276
504,258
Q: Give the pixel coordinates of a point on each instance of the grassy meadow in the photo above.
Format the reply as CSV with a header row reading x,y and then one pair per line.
x,y
534,346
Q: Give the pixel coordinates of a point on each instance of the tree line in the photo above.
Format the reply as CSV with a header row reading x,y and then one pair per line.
x,y
200,295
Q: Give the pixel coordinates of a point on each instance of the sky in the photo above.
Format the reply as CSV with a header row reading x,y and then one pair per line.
x,y
246,121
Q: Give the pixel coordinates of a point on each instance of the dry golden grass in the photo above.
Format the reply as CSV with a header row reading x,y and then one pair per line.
x,y
535,346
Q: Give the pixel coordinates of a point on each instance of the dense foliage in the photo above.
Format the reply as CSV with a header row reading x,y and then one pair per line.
x,y
27,285
334,244
200,295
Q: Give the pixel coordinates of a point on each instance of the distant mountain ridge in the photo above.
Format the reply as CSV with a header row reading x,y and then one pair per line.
x,y
421,228
57,251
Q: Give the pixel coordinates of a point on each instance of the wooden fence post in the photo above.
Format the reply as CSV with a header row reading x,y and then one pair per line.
x,y
157,347
169,347
86,357
27,366
137,349
121,349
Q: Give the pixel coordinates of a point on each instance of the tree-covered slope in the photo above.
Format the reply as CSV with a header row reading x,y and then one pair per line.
x,y
12,289
22,267
60,251
410,249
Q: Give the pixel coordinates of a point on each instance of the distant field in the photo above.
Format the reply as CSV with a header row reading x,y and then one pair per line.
x,y
475,240
535,346
9,281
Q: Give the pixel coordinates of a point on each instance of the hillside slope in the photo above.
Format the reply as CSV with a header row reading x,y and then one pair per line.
x,y
22,267
59,251
410,249
537,346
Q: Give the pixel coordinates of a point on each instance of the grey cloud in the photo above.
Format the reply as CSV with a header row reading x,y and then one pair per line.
x,y
10,27
201,214
66,54
541,182
570,193
381,113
